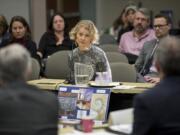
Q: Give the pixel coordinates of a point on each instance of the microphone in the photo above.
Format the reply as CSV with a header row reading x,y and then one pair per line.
x,y
70,77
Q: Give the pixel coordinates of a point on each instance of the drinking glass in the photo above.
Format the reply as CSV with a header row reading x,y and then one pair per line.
x,y
83,73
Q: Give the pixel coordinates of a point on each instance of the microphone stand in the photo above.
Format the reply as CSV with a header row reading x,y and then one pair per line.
x,y
70,78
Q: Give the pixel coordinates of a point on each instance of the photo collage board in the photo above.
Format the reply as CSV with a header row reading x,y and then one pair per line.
x,y
78,102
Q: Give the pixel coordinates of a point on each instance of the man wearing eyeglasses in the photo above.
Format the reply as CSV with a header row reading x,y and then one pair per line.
x,y
145,63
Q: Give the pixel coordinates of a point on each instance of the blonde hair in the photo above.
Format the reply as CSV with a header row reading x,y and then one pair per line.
x,y
89,25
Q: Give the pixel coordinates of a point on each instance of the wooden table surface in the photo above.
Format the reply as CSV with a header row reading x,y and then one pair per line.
x,y
54,84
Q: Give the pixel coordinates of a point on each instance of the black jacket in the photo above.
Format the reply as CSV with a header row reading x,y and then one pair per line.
x,y
27,43
157,110
26,110
47,44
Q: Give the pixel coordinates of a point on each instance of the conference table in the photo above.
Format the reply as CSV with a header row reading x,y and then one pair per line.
x,y
121,96
122,92
69,130
122,87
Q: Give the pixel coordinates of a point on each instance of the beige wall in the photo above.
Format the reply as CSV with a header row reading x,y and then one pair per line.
x,y
38,18
109,10
10,8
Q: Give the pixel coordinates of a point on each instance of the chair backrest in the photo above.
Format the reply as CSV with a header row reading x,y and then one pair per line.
x,y
57,65
107,39
123,72
35,70
116,57
124,116
109,47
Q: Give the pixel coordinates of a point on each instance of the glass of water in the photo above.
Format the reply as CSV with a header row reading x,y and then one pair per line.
x,y
83,73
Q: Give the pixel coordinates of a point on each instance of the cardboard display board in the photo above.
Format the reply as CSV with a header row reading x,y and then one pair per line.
x,y
79,102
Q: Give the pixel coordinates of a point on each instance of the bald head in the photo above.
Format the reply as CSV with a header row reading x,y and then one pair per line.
x,y
15,62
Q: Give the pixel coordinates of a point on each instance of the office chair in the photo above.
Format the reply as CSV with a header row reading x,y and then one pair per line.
x,y
57,65
123,72
116,57
35,70
107,39
109,48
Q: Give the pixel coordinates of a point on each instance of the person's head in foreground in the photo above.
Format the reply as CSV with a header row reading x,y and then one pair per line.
x,y
167,57
15,64
25,110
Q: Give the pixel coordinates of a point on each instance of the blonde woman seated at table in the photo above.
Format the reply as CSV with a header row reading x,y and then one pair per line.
x,y
85,36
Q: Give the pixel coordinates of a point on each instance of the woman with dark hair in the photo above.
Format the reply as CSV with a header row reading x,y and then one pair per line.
x,y
56,38
4,35
129,14
20,33
118,24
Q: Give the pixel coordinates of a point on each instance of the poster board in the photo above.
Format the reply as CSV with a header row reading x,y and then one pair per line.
x,y
78,102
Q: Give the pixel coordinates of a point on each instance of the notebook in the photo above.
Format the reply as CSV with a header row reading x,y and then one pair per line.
x,y
78,102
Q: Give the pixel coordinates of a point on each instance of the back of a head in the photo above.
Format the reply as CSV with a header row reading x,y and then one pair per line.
x,y
168,56
15,63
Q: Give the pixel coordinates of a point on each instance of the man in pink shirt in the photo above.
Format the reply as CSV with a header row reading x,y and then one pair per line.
x,y
132,42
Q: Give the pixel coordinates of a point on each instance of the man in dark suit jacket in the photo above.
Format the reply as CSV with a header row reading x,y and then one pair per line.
x,y
144,64
24,109
156,111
